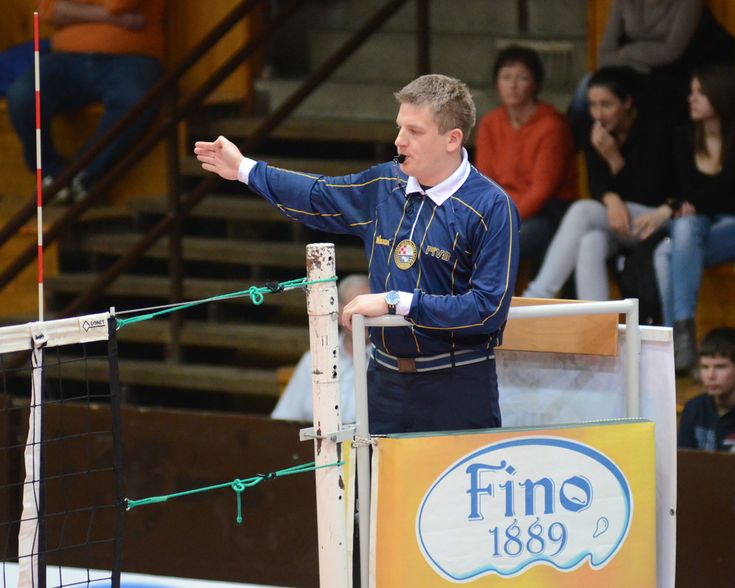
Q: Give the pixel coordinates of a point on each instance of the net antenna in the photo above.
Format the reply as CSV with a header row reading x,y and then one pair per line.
x,y
30,538
39,172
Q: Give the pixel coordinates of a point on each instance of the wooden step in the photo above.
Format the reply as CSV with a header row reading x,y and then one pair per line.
x,y
286,343
159,374
457,52
134,286
190,166
245,208
301,128
350,258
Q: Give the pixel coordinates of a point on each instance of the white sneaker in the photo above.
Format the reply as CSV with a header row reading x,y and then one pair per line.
x,y
79,187
63,196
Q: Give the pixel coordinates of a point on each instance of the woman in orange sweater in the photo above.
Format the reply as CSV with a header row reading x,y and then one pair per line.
x,y
526,146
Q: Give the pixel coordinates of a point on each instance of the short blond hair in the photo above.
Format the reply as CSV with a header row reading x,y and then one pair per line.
x,y
449,99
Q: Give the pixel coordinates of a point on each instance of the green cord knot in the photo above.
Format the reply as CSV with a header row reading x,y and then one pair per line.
x,y
256,296
239,487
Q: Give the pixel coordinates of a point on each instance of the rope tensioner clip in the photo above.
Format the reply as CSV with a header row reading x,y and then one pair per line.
x,y
347,433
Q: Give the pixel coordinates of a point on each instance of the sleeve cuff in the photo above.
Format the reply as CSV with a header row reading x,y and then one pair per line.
x,y
243,173
404,306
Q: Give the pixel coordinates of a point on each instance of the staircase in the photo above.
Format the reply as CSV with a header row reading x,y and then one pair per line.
x,y
230,351
465,35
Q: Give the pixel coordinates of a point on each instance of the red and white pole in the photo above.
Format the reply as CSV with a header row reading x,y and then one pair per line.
x,y
39,176
29,571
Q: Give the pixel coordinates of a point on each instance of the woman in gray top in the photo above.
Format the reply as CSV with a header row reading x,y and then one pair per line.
x,y
646,34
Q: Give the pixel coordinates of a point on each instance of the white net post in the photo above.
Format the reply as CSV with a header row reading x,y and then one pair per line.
x,y
322,307
363,449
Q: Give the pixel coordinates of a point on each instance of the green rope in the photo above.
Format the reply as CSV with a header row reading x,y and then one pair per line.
x,y
255,293
239,486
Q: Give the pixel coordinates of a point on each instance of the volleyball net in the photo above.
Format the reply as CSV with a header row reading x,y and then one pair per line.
x,y
61,484
62,491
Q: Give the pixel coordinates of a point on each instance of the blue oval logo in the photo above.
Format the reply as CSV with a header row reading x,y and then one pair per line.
x,y
524,502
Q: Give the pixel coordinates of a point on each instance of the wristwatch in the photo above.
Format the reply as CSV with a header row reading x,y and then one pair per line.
x,y
392,298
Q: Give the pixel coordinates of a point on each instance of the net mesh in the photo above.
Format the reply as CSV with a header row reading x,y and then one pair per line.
x,y
75,519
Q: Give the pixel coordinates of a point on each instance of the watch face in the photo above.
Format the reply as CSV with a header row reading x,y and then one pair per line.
x,y
392,298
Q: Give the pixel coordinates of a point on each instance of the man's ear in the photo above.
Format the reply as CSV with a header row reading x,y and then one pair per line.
x,y
454,141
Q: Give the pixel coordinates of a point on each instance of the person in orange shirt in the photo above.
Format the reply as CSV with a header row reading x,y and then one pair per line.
x,y
107,51
526,146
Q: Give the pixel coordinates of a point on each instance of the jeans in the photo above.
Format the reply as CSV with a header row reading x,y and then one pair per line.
x,y
70,81
695,242
582,244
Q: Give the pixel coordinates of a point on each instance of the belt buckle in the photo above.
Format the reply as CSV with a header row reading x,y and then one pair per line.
x,y
406,365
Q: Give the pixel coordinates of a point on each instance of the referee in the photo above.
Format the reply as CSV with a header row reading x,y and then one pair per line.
x,y
441,241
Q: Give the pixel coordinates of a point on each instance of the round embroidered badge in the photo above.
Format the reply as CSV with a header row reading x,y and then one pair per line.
x,y
405,254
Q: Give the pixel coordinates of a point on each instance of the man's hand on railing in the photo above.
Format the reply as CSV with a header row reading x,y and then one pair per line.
x,y
366,305
221,157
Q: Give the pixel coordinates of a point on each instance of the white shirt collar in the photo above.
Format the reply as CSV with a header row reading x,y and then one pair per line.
x,y
446,188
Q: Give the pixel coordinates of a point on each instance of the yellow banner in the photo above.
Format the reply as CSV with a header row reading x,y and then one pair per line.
x,y
541,507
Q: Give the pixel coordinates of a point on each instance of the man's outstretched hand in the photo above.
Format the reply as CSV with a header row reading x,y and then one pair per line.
x,y
221,157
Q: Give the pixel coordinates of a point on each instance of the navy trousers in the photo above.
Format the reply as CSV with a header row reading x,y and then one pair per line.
x,y
453,399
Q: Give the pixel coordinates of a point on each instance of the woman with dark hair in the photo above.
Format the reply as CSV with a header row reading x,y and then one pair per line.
x,y
703,230
526,146
664,40
629,160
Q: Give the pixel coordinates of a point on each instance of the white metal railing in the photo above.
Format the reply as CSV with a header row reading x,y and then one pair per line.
x,y
629,307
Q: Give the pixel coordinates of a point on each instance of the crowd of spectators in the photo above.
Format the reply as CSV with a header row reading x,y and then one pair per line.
x,y
655,124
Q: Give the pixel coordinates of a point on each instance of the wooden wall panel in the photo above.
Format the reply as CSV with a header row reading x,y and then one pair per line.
x,y
197,536
190,21
588,335
705,529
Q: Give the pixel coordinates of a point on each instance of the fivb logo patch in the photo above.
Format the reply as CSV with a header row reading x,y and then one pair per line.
x,y
524,502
